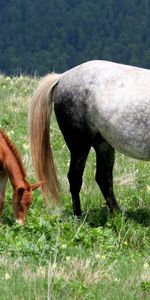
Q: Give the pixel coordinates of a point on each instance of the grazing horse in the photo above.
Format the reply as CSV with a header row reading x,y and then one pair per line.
x,y
100,104
11,167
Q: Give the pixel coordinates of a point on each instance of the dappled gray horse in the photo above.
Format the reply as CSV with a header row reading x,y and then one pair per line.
x,y
100,104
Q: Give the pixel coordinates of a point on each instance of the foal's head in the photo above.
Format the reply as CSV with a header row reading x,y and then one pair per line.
x,y
22,199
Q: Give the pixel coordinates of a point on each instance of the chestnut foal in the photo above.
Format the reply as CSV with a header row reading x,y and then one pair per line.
x,y
11,167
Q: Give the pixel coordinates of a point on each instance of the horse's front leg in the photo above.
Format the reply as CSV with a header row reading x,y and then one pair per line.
x,y
3,181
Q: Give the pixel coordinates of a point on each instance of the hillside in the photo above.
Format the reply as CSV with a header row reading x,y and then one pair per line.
x,y
56,35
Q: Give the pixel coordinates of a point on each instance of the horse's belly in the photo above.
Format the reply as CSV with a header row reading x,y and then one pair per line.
x,y
134,149
128,132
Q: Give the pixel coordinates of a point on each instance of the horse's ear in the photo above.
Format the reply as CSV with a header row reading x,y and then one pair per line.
x,y
37,185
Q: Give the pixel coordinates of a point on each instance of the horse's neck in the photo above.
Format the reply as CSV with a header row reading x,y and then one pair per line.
x,y
11,166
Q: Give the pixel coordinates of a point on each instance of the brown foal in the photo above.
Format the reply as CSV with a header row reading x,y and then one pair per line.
x,y
11,167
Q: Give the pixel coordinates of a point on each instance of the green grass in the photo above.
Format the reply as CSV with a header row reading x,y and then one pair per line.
x,y
57,256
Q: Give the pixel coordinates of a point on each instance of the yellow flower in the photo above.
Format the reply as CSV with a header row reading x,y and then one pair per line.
x,y
63,246
41,271
98,256
26,146
125,243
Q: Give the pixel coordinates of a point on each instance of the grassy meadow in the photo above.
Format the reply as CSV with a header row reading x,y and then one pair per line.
x,y
57,256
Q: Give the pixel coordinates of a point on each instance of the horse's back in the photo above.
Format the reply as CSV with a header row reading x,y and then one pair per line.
x,y
98,71
109,98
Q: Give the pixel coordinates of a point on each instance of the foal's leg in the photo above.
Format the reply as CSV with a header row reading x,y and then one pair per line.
x,y
77,164
105,157
3,181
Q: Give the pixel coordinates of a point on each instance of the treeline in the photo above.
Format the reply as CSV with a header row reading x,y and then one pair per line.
x,y
55,35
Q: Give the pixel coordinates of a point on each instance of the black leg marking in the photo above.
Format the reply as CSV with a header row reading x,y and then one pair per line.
x,y
78,139
75,174
105,157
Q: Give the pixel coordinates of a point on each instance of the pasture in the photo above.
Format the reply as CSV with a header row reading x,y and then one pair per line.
x,y
57,256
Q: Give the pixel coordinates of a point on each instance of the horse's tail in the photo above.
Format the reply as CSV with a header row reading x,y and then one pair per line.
x,y
39,133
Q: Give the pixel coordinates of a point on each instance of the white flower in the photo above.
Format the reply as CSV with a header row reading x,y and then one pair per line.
x,y
146,266
7,276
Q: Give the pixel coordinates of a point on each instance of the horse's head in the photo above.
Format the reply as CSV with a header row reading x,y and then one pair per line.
x,y
22,200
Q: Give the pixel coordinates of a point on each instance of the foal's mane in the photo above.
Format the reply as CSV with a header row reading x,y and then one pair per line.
x,y
14,150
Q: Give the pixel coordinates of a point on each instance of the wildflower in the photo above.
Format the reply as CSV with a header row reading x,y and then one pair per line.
x,y
41,271
125,243
98,256
11,132
63,246
68,258
7,276
26,146
146,265
148,188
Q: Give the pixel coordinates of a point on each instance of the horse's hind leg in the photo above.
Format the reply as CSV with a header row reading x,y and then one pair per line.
x,y
78,141
105,157
77,164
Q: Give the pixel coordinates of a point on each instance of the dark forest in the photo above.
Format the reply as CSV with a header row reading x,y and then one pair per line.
x,y
54,35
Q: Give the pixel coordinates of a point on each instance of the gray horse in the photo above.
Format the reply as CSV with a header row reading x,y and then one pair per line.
x,y
100,104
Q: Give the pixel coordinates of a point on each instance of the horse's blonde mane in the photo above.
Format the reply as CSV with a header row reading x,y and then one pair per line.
x,y
14,150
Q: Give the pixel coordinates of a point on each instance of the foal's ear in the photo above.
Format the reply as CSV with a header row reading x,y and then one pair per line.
x,y
37,185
